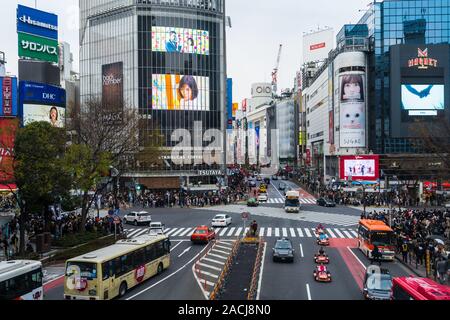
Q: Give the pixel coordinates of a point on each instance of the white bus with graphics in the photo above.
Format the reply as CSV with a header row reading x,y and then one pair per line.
x,y
292,203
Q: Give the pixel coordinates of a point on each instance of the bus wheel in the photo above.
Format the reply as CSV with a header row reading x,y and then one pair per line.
x,y
160,268
123,289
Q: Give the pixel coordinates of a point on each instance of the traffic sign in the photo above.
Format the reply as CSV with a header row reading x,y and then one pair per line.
x,y
116,220
245,215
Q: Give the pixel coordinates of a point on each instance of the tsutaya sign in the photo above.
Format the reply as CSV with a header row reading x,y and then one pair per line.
x,y
422,61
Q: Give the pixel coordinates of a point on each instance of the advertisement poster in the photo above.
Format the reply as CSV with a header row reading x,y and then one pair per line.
x,y
423,100
8,129
38,48
112,86
180,92
359,167
181,40
353,111
54,115
8,97
37,22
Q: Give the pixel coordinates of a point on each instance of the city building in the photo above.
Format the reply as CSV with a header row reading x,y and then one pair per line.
x,y
154,49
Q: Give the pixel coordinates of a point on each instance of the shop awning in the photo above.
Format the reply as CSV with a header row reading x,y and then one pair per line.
x,y
8,187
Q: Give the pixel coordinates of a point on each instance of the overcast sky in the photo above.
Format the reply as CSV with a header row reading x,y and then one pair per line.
x,y
258,28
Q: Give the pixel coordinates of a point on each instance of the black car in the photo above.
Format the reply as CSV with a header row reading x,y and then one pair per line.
x,y
283,250
285,178
274,178
325,202
281,186
252,184
377,284
267,181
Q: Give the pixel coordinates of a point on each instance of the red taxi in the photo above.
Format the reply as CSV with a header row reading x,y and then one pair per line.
x,y
203,234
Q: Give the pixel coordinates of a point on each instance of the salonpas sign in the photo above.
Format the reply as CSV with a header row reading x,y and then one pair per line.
x,y
39,48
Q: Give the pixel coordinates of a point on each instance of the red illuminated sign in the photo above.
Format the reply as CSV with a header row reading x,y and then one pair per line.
x,y
317,46
365,168
8,129
7,96
422,61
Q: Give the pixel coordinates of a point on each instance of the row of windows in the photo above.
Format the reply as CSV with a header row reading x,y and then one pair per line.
x,y
126,263
21,285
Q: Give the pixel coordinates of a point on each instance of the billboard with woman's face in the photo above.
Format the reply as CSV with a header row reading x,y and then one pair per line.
x,y
352,111
54,115
178,92
181,40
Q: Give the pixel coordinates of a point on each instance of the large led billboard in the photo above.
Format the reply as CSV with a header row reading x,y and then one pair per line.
x,y
180,92
181,40
353,111
423,100
52,114
359,167
8,129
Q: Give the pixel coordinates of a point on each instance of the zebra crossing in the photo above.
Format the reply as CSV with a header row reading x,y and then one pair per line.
x,y
266,232
281,201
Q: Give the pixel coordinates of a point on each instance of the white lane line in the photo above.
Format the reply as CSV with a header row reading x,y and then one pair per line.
x,y
223,232
238,232
217,256
178,232
301,250
277,190
292,231
261,272
214,261
339,233
212,275
303,201
133,232
261,232
331,233
222,247
354,233
173,248
141,233
231,232
348,235
308,291
221,251
185,232
191,233
308,233
171,275
171,231
209,283
269,232
300,232
277,232
209,266
285,233
349,249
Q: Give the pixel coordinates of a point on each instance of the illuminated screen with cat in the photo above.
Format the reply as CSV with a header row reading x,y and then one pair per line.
x,y
423,100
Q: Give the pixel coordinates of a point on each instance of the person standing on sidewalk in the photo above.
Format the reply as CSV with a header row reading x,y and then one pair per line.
x,y
405,251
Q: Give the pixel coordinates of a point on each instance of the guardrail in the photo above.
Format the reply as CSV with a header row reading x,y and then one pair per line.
x,y
255,278
226,269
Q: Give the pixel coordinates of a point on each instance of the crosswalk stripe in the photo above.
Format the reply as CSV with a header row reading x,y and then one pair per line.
x,y
209,283
261,232
141,232
285,233
300,232
133,232
231,232
221,234
348,234
209,274
209,266
269,232
354,233
214,261
339,233
303,201
171,231
184,233
216,230
191,233
331,233
217,256
277,232
292,230
220,251
308,233
238,232
178,232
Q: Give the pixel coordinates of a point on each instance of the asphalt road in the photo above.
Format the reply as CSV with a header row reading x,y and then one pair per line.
x,y
278,281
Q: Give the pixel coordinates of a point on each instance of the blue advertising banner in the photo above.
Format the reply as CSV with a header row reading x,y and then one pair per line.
x,y
37,22
8,97
230,103
37,93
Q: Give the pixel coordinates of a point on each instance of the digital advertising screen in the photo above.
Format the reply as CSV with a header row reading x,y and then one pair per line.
x,y
8,129
181,40
52,114
180,92
359,167
423,100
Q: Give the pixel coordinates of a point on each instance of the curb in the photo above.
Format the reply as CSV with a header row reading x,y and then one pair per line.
x,y
409,267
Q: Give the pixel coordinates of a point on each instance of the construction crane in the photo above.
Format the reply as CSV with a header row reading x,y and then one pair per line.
x,y
275,73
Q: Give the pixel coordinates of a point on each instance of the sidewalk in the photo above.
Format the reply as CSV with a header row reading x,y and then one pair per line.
x,y
420,271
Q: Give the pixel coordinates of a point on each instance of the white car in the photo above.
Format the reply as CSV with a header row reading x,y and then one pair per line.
x,y
138,218
221,220
263,197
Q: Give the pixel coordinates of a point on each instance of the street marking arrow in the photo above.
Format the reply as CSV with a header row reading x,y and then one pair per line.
x,y
184,252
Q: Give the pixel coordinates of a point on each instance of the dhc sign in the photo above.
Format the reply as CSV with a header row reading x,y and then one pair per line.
x,y
37,22
31,92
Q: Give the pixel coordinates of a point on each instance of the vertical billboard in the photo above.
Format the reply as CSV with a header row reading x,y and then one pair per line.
x,y
229,103
352,111
8,130
180,92
317,45
360,167
112,86
8,97
181,40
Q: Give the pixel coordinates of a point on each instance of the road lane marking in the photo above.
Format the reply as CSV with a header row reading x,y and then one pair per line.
x,y
231,232
349,249
221,251
171,249
269,232
217,256
222,247
300,232
354,233
133,232
209,266
308,291
277,232
301,250
169,276
209,283
140,233
212,275
214,261
331,233
308,233
185,232
178,232
169,233
261,232
292,230
238,232
261,272
348,234
285,233
339,233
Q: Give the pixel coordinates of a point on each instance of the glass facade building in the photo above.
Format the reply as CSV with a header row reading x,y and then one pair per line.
x,y
419,23
172,58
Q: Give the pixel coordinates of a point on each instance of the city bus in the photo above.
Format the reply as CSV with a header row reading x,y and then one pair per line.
x,y
375,232
292,203
110,272
21,280
410,288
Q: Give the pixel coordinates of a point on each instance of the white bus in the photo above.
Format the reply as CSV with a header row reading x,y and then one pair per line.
x,y
292,203
21,280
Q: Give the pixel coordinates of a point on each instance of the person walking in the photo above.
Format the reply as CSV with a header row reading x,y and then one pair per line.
x,y
405,250
376,255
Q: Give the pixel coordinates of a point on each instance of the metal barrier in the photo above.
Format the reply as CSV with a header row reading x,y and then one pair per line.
x,y
225,271
254,284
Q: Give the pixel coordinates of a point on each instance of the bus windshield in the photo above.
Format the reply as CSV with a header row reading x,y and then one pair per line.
x,y
381,238
82,269
292,202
